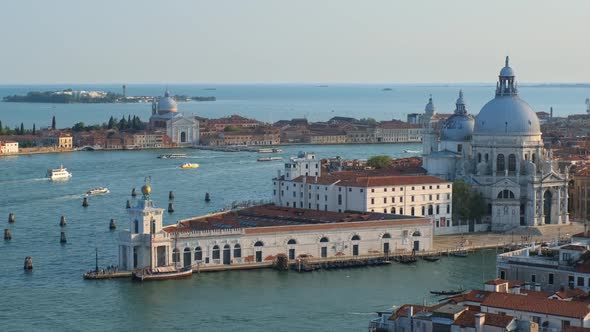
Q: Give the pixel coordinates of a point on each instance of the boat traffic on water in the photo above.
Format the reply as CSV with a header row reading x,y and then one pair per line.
x,y
97,191
447,292
189,165
60,173
172,156
162,273
269,159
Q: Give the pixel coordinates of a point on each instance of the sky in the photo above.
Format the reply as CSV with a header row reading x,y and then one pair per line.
x,y
303,41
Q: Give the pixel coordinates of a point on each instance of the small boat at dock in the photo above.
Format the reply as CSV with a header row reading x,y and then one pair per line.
x,y
189,165
460,253
269,150
431,258
269,159
162,273
406,259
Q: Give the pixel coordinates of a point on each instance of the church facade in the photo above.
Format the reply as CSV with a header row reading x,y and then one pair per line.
x,y
500,153
182,130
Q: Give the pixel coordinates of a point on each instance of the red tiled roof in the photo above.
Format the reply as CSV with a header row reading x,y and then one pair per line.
x,y
471,296
569,293
467,319
358,179
536,304
496,281
535,294
515,283
576,329
397,124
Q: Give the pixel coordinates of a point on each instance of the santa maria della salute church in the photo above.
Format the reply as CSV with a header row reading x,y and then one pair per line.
x,y
500,153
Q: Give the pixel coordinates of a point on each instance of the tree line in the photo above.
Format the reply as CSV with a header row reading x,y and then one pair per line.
x,y
125,123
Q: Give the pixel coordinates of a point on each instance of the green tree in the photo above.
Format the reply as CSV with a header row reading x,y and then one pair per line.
x,y
231,129
468,204
381,161
53,123
79,126
368,121
22,129
34,129
122,123
1,128
112,123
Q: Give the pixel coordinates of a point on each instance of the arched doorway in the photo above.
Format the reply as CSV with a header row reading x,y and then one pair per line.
x,y
415,235
183,137
291,243
547,198
187,257
237,251
324,247
226,254
386,238
355,245
258,247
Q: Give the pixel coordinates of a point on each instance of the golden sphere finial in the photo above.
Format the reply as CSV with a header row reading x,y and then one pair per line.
x,y
146,189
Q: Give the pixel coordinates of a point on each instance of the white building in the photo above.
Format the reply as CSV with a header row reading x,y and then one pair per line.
x,y
182,130
304,186
255,236
8,147
501,154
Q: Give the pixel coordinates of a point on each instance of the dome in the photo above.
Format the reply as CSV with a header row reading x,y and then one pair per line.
x,y
507,115
429,108
166,104
458,127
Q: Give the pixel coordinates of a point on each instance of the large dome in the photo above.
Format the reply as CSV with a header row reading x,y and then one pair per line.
x,y
167,104
507,115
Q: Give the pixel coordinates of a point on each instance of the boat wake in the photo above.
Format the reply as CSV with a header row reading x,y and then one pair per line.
x,y
24,181
67,197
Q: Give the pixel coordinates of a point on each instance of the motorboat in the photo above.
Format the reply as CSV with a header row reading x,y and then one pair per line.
x,y
189,165
60,173
97,191
460,253
431,258
162,273
269,159
172,156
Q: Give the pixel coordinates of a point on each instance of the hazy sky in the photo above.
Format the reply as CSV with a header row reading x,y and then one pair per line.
x,y
259,41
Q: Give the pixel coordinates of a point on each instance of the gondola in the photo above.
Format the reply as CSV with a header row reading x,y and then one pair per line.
x,y
447,292
461,253
431,258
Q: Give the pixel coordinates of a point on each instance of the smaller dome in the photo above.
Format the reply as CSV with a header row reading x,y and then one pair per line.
x,y
167,104
458,127
146,190
507,70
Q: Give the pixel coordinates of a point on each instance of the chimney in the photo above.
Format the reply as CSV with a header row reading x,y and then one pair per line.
x,y
480,319
527,286
411,311
538,287
315,179
278,174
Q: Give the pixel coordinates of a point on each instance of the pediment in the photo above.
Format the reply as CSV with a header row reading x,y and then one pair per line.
x,y
552,177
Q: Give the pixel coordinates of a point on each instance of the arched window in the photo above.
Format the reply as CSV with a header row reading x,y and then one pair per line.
x,y
512,163
393,210
487,158
430,210
324,239
259,244
176,255
356,238
423,211
533,158
500,165
153,227
198,254
215,252
387,236
135,226
412,212
526,156
416,233
292,241
237,251
479,157
505,194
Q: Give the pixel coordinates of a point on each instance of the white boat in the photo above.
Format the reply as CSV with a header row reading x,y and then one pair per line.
x,y
411,151
97,191
173,155
269,159
189,165
60,173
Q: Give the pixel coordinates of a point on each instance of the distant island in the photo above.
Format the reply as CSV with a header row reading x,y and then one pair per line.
x,y
70,96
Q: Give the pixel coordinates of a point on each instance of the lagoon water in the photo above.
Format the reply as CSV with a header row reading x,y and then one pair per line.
x,y
271,103
55,297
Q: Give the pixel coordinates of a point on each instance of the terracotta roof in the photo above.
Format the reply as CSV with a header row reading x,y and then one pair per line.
x,y
515,283
569,293
358,179
471,296
397,124
536,304
467,319
576,329
534,293
270,218
496,281
403,310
